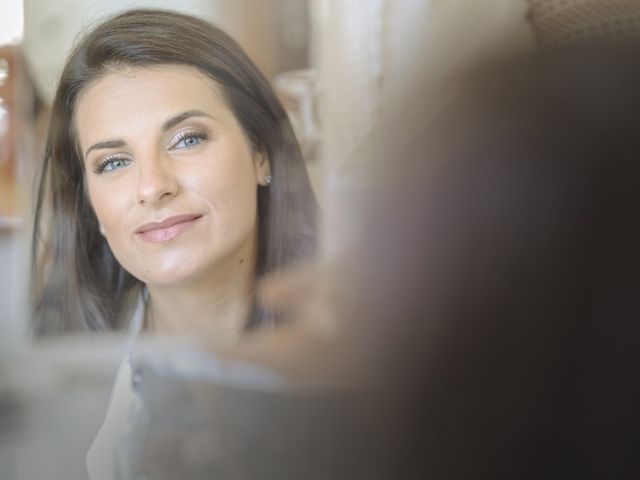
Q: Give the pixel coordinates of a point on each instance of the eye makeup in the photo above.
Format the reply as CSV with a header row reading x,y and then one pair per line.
x,y
111,163
187,139
183,140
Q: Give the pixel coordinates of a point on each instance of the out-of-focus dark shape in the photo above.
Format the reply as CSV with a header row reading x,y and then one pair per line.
x,y
500,272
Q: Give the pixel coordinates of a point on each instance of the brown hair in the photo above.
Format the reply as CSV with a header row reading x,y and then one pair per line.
x,y
77,282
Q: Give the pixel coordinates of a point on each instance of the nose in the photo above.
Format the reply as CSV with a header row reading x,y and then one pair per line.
x,y
157,181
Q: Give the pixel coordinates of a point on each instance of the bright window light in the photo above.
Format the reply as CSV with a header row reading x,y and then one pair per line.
x,y
11,24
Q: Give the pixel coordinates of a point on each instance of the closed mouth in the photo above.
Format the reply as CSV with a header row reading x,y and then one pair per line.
x,y
168,228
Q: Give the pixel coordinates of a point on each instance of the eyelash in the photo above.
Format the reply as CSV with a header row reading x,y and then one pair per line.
x,y
182,136
101,167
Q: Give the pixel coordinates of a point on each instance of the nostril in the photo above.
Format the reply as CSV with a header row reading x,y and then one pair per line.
x,y
155,183
154,195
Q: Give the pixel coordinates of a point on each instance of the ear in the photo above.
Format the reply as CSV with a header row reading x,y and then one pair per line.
x,y
263,168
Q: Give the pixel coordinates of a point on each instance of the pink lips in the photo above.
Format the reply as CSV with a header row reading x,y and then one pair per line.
x,y
167,229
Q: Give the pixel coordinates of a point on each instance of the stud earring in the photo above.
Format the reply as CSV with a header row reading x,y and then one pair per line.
x,y
267,179
102,230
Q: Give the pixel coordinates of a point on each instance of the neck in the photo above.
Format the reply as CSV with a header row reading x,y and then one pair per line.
x,y
216,308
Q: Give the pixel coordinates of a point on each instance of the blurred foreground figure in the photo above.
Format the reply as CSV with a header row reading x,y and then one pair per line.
x,y
501,269
487,326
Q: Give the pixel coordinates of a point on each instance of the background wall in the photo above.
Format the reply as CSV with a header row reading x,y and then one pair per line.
x,y
272,32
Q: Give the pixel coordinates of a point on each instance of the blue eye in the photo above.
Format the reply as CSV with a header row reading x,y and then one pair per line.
x,y
111,164
189,140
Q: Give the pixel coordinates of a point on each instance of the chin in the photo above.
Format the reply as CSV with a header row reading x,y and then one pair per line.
x,y
170,278
164,275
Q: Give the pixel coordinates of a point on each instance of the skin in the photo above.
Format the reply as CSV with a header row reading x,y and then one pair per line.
x,y
201,165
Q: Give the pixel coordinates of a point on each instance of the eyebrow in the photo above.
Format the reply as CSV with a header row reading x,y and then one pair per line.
x,y
105,144
168,125
181,117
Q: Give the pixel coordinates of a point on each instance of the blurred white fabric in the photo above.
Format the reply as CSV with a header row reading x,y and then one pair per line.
x,y
53,396
52,27
13,282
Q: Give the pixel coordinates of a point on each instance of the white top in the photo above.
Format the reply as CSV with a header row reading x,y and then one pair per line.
x,y
100,457
174,359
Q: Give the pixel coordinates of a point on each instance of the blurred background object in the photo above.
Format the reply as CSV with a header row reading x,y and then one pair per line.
x,y
13,98
567,21
297,92
9,85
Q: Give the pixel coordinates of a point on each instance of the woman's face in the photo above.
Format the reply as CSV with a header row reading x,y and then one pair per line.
x,y
169,173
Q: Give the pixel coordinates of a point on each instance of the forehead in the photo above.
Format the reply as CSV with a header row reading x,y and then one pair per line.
x,y
134,96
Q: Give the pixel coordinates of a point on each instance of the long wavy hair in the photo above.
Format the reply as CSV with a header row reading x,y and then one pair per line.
x,y
76,281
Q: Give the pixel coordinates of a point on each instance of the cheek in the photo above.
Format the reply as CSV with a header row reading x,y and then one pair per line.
x,y
230,188
109,205
231,201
